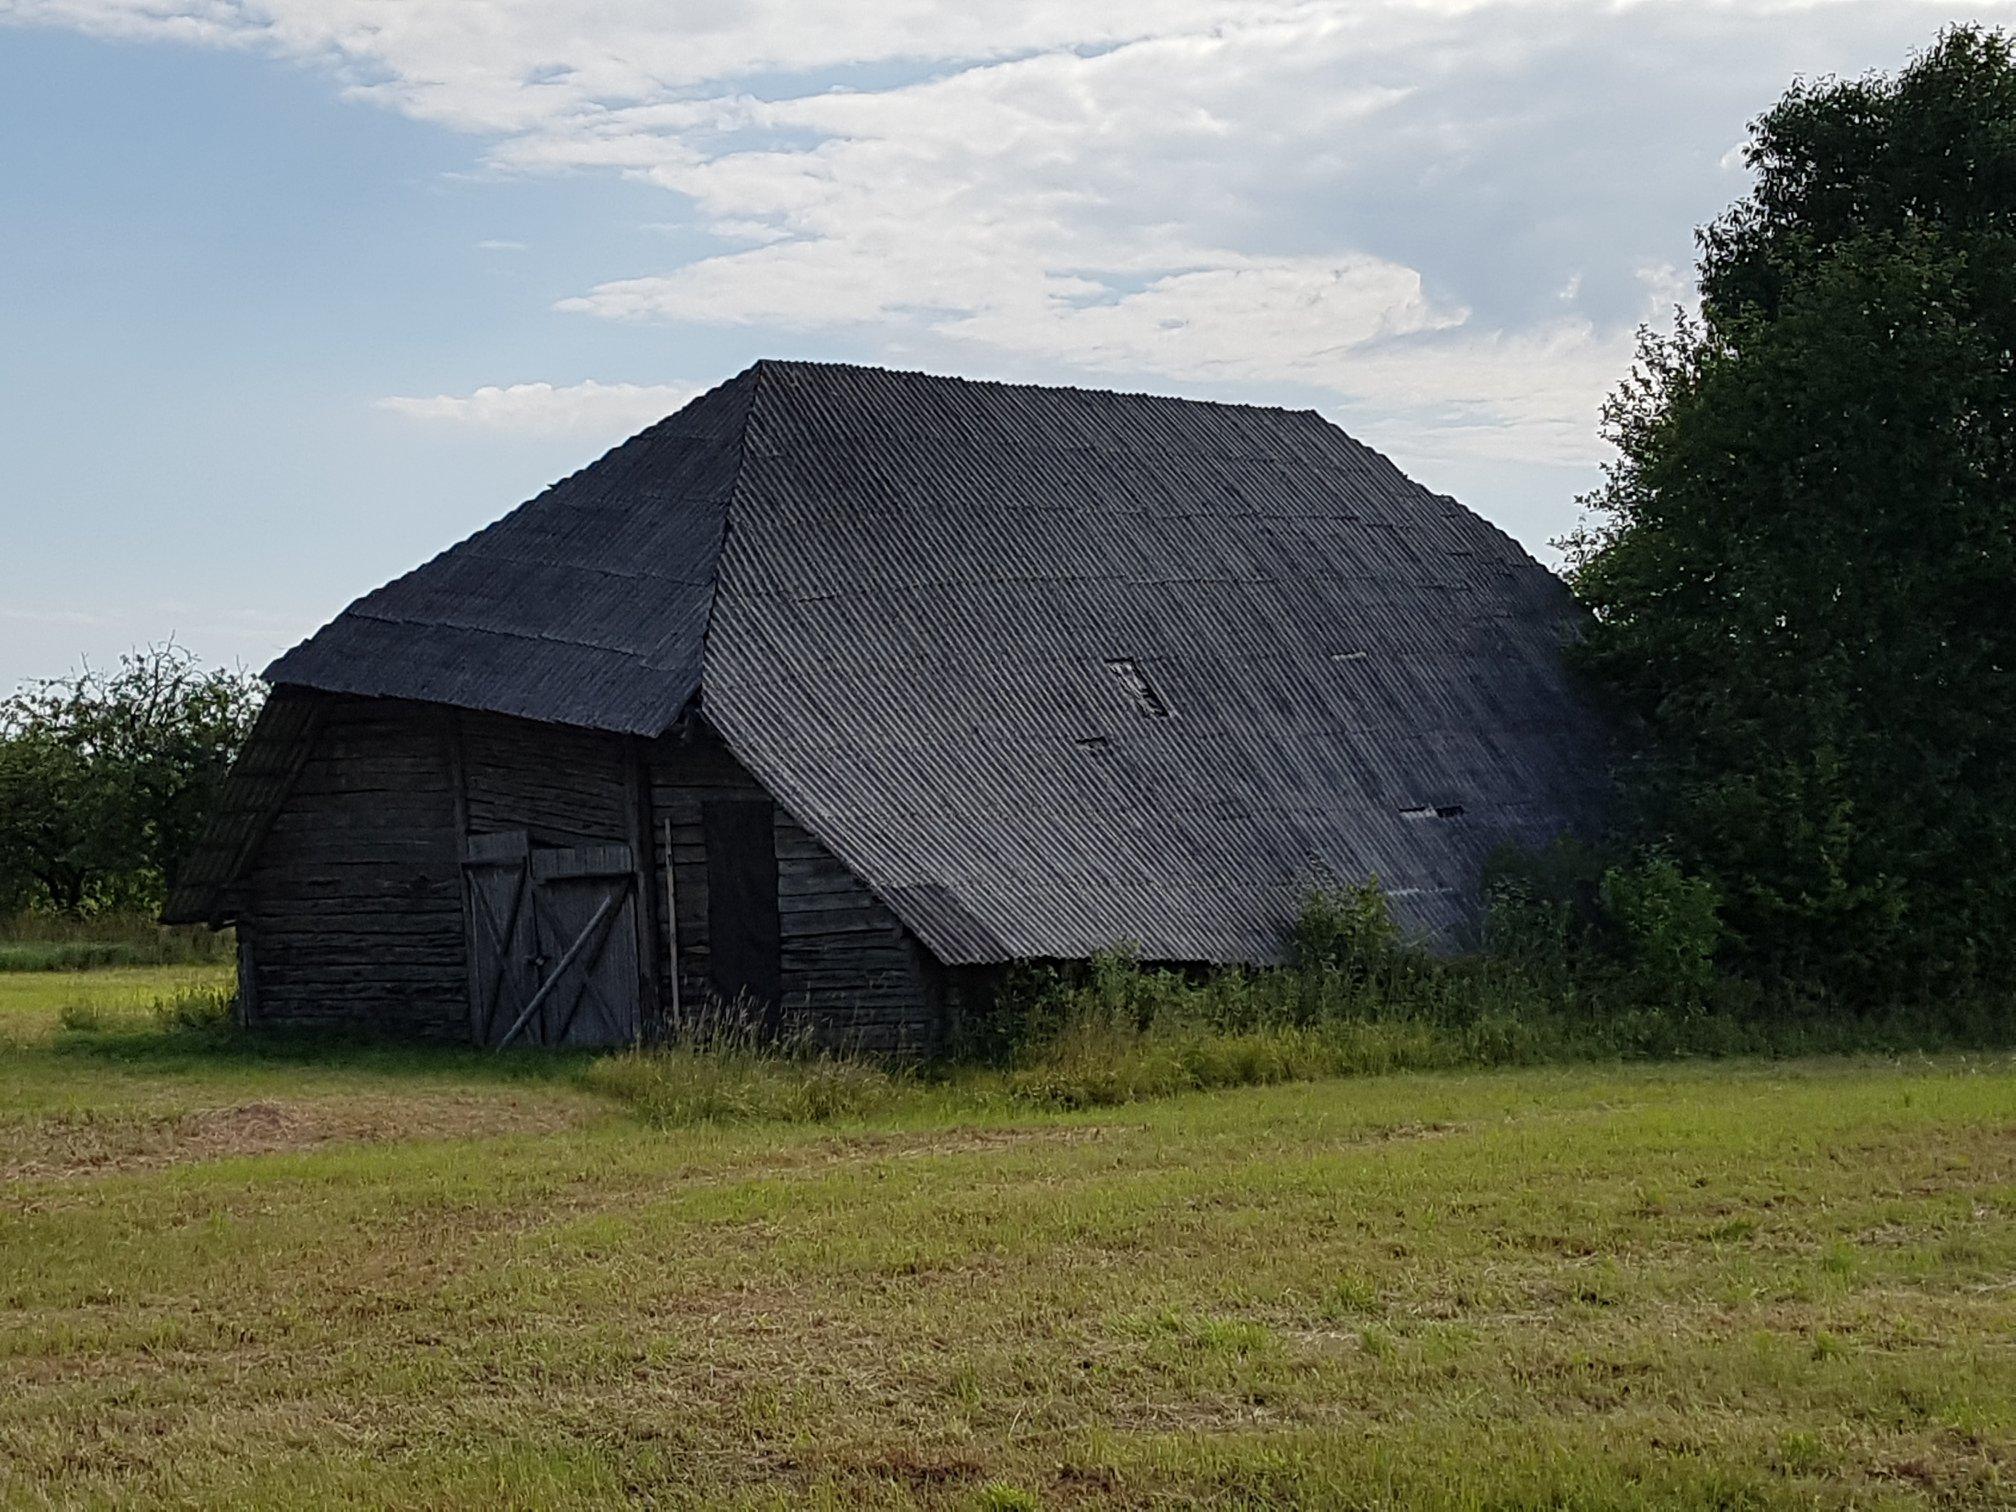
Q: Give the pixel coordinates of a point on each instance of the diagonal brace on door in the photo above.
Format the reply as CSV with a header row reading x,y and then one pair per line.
x,y
491,987
595,924
590,987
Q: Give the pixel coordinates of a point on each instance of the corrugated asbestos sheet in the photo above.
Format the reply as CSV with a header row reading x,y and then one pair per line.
x,y
587,606
1055,669
1051,669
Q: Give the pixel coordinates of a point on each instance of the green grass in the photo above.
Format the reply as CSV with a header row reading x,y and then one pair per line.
x,y
285,1274
32,1002
49,942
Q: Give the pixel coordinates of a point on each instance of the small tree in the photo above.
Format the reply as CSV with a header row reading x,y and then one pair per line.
x,y
106,779
1803,569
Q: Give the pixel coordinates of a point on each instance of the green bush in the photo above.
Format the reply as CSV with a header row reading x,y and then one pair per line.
x,y
1599,932
1668,926
1348,929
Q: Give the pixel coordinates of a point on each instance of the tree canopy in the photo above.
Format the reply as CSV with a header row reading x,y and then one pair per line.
x,y
1803,565
106,779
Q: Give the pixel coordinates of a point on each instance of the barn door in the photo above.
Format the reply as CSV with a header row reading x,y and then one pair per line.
x,y
503,942
553,943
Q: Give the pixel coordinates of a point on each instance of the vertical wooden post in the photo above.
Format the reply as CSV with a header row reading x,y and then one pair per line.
x,y
248,980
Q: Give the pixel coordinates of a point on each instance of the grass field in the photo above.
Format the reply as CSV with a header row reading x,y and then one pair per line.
x,y
437,1278
45,942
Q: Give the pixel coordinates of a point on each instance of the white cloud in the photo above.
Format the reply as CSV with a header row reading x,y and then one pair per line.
x,y
1243,318
1372,203
588,408
509,65
1530,395
494,244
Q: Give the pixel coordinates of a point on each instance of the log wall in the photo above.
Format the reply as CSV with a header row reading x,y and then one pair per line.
x,y
564,786
352,909
353,914
850,973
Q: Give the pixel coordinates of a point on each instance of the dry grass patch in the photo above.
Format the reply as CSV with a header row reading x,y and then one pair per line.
x,y
93,1142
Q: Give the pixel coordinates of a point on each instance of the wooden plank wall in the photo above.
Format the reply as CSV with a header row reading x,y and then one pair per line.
x,y
850,972
565,786
687,771
353,912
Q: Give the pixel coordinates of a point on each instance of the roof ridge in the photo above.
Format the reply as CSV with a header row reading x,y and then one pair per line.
x,y
757,372
765,364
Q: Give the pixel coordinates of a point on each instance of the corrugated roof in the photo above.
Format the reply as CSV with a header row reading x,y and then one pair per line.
x,y
1051,669
587,606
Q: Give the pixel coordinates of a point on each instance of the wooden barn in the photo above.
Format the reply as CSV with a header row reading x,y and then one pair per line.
x,y
840,688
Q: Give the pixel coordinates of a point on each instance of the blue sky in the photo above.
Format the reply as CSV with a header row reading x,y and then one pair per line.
x,y
300,291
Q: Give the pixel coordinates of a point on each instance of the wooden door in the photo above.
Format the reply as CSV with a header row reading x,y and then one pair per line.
x,y
503,941
553,943
586,904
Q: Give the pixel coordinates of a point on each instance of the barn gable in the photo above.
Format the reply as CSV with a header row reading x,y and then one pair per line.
x,y
1041,670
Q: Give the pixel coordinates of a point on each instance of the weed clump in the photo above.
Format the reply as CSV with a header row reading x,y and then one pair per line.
x,y
199,1009
202,1009
681,1085
726,1065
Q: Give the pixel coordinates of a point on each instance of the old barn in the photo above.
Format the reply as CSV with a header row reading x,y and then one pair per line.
x,y
840,688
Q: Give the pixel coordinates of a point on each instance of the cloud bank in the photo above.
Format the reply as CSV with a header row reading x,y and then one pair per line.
x,y
1442,220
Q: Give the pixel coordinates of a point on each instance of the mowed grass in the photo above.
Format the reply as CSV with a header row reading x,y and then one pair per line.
x,y
91,1083
443,1279
32,1001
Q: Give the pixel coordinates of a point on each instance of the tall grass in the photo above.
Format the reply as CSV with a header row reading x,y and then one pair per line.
x,y
725,1065
204,1009
1356,998
676,1086
37,941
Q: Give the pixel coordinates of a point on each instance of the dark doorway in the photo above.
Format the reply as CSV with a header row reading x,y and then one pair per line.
x,y
744,941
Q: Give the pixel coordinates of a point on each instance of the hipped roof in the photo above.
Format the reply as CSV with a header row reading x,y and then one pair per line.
x,y
1052,669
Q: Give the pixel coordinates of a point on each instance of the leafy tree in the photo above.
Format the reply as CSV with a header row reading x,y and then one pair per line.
x,y
1803,568
106,779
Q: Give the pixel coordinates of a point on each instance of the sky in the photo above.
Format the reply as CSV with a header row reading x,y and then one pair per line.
x,y
296,293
